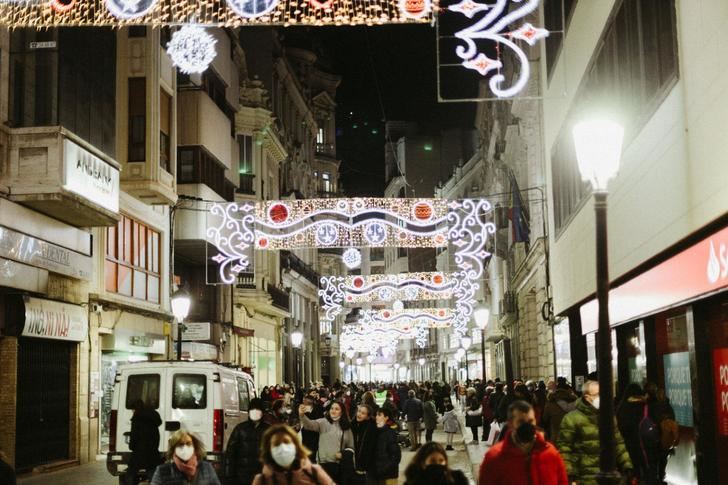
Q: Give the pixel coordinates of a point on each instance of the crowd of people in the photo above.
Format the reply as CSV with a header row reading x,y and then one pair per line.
x,y
539,434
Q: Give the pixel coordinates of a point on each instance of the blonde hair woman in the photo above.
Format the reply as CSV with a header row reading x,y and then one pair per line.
x,y
285,460
186,463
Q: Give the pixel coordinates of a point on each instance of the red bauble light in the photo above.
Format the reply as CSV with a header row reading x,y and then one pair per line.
x,y
358,282
423,211
278,213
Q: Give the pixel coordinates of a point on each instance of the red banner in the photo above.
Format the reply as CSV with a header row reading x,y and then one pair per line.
x,y
720,366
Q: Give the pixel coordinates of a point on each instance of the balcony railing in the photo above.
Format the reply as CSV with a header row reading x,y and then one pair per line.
x,y
281,298
247,184
292,262
246,281
196,165
326,149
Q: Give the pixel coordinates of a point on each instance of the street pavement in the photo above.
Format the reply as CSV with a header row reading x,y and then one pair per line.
x,y
96,474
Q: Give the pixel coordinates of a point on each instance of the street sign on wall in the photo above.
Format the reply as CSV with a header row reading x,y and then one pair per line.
x,y
196,331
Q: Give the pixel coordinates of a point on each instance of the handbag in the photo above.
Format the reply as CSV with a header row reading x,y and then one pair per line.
x,y
494,433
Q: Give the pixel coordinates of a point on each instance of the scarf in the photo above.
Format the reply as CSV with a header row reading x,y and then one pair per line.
x,y
189,468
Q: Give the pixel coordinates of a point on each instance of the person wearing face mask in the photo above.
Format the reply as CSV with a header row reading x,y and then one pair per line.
x,y
285,460
579,439
384,468
241,456
429,466
186,465
335,435
524,457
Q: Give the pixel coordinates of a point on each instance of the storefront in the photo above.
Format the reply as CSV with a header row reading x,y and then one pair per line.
x,y
671,328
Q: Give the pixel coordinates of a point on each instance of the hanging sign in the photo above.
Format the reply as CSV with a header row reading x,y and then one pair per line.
x,y
54,320
678,386
196,331
720,366
90,177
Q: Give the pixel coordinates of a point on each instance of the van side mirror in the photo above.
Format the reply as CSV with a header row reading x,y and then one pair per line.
x,y
171,426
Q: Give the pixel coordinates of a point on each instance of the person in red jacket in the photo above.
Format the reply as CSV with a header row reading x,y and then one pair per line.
x,y
524,457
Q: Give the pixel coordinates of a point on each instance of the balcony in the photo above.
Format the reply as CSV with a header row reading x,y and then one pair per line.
x,y
291,262
281,298
53,171
326,150
247,184
196,165
246,281
509,308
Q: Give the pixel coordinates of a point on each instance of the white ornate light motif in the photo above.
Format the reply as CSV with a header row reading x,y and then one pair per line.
x,y
252,8
490,27
191,49
404,319
352,258
129,9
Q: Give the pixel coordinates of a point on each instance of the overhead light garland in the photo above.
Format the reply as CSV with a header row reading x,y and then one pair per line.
x,y
494,18
352,258
191,49
129,9
407,318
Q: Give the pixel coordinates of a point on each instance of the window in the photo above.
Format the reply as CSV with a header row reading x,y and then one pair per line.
x,y
165,113
195,165
190,391
320,136
132,260
556,19
137,119
243,394
326,181
246,154
636,65
137,31
144,388
165,35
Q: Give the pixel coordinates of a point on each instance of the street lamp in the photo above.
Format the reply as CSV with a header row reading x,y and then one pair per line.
x,y
370,359
465,342
181,302
296,341
481,316
598,144
342,364
396,372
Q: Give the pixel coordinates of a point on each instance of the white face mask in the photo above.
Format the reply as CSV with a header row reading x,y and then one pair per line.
x,y
184,452
595,402
284,454
255,414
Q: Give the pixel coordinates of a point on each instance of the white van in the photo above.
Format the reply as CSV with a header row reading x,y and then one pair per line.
x,y
205,398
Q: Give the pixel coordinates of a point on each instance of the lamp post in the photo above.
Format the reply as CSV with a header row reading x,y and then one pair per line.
x,y
296,341
358,365
181,302
370,359
481,316
350,355
459,357
598,144
342,364
396,372
465,342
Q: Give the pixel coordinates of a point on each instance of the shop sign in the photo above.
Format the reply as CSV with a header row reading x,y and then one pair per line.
x,y
678,386
243,332
90,177
720,364
700,269
42,254
196,331
54,320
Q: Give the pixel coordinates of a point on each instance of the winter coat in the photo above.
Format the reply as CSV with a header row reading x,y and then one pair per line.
x,y
305,474
332,439
629,416
486,412
430,414
501,412
494,401
365,443
450,422
243,449
402,393
579,444
558,404
425,477
144,438
473,414
310,438
507,464
413,410
169,474
388,453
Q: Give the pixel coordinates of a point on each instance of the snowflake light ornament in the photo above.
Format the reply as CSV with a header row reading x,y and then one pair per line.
x,y
129,9
192,49
352,258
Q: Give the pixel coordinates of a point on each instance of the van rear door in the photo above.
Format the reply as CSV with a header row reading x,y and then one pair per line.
x,y
191,407
137,386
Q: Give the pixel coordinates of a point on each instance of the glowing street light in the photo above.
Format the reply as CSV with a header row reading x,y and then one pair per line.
x,y
181,302
481,315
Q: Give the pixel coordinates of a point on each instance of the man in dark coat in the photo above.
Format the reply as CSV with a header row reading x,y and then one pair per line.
x,y
143,442
241,457
413,411
388,454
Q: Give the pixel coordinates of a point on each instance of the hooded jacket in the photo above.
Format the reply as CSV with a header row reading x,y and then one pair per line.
x,y
558,403
144,438
450,422
388,454
506,464
305,474
579,444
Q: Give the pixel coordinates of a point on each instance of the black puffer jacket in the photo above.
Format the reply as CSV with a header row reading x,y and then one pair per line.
x,y
144,438
388,455
241,457
365,443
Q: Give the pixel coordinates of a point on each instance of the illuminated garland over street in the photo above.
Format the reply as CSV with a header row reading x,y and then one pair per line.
x,y
406,319
337,291
228,13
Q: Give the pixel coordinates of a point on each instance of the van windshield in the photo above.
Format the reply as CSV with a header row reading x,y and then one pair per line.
x,y
142,389
190,391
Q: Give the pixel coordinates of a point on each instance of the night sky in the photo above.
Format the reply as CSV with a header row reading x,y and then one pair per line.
x,y
404,58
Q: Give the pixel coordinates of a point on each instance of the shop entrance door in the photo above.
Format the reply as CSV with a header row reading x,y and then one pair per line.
x,y
42,412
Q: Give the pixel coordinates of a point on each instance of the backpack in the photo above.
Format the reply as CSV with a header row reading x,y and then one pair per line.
x,y
649,434
669,434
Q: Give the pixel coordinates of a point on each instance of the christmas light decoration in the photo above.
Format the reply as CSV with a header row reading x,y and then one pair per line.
x,y
191,49
490,26
129,9
217,13
404,319
352,258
